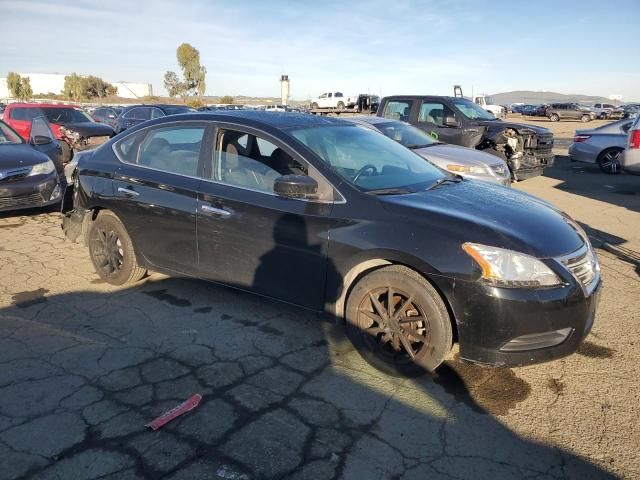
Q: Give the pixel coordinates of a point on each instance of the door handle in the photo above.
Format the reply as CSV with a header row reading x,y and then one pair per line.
x,y
216,211
128,191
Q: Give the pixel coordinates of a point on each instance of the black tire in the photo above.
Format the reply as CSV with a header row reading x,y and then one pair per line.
x,y
554,117
314,106
112,252
609,160
340,105
425,329
585,118
67,152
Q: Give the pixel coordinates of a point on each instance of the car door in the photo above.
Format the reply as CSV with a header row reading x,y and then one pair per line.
x,y
253,239
323,101
432,117
156,185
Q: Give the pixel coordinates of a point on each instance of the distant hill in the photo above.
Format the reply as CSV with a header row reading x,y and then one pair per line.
x,y
527,96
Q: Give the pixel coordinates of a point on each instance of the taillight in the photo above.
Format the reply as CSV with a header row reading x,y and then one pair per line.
x,y
634,139
581,138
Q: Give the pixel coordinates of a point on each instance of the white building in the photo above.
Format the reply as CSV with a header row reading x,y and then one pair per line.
x,y
43,83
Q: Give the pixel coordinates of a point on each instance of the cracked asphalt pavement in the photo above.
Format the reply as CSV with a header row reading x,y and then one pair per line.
x,y
84,366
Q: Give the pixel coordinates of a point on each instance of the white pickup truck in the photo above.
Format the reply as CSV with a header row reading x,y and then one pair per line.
x,y
486,102
336,100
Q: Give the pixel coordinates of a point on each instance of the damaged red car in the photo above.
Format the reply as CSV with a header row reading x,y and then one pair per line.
x,y
73,128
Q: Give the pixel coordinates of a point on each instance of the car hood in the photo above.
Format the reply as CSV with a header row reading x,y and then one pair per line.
x,y
443,155
90,129
516,126
23,155
489,214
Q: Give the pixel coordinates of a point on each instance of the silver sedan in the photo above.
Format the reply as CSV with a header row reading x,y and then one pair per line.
x,y
603,145
466,162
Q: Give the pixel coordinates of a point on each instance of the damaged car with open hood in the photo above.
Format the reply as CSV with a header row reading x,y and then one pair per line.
x,y
73,128
527,149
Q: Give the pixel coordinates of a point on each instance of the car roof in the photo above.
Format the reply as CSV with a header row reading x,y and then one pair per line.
x,y
41,105
371,119
411,97
279,120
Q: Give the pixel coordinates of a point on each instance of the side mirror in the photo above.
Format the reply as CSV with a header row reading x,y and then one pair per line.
x,y
295,186
450,121
40,140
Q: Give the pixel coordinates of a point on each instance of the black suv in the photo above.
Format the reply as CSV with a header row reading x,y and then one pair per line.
x,y
136,114
324,214
527,149
568,111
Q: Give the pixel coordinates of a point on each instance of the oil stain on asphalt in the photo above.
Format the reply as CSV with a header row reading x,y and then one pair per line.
x,y
492,391
27,299
164,296
590,349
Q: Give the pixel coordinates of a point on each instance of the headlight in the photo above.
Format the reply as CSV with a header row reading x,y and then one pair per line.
x,y
468,169
505,268
42,168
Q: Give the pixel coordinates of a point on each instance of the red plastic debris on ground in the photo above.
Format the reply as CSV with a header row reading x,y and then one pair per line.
x,y
184,407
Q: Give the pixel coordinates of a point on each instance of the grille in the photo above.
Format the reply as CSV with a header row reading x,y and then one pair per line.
x,y
583,265
21,200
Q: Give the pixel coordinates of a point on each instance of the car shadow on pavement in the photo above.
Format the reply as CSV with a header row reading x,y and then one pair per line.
x,y
588,181
284,395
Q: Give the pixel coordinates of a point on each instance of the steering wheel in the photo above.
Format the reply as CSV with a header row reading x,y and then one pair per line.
x,y
368,166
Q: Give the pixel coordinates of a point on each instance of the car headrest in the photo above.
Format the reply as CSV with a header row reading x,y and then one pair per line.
x,y
157,145
280,160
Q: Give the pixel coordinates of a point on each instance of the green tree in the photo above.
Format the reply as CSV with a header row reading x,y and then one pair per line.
x,y
193,73
172,84
227,99
95,87
74,87
19,87
26,92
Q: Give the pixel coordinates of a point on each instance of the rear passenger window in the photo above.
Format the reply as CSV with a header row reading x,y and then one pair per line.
x,y
397,110
174,149
25,113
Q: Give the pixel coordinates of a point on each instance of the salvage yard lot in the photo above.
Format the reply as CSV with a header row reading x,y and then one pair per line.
x,y
84,366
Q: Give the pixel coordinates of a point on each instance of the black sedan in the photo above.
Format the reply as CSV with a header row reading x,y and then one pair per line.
x,y
136,114
107,115
340,219
30,173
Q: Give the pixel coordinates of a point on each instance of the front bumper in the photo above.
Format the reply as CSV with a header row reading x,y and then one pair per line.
x,y
489,319
31,192
530,165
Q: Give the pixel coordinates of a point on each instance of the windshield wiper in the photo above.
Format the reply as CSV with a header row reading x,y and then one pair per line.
x,y
416,146
389,191
440,181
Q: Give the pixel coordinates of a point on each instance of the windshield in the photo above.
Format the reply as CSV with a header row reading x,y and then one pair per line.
x,y
177,110
8,136
471,110
407,135
369,160
66,115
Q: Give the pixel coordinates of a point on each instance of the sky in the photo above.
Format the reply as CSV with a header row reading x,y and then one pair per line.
x,y
373,46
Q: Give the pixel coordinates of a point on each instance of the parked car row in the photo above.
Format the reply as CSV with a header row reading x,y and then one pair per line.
x,y
330,215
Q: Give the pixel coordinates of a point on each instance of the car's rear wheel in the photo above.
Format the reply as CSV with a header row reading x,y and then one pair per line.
x,y
112,252
609,160
554,117
585,118
398,322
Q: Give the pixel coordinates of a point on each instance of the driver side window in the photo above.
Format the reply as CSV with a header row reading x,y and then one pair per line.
x,y
247,161
434,113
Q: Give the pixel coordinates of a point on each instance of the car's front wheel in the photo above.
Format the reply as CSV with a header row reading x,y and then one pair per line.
x,y
609,160
112,252
585,118
398,322
554,117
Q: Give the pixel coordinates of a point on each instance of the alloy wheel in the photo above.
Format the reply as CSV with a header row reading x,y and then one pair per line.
x,y
107,251
610,161
394,325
